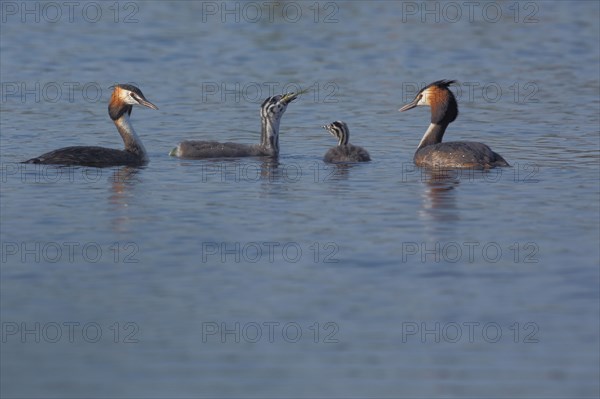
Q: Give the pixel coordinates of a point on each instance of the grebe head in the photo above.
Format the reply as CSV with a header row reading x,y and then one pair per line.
x,y
274,107
271,111
339,130
123,98
438,96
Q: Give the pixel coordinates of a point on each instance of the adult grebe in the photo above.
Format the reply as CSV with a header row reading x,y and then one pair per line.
x,y
123,98
344,151
431,152
271,111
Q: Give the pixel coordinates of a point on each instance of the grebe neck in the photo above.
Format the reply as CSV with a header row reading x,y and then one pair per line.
x,y
132,141
269,136
433,135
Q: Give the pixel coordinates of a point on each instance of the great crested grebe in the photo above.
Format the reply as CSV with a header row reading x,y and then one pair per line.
x,y
344,151
123,98
271,111
431,152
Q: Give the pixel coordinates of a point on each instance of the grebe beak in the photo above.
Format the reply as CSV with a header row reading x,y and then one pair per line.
x,y
289,97
410,105
146,103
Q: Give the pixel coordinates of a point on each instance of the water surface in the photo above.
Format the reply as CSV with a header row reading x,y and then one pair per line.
x,y
254,278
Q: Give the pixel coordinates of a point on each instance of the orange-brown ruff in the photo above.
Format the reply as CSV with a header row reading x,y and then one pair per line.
x,y
431,152
123,98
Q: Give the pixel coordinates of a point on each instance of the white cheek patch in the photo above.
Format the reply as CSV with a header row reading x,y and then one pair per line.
x,y
424,98
127,98
133,100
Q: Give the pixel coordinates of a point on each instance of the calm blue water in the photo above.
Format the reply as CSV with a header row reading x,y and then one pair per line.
x,y
249,278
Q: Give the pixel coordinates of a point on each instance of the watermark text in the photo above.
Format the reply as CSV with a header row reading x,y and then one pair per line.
x,y
68,12
269,11
70,332
68,252
436,12
268,252
469,252
469,332
269,332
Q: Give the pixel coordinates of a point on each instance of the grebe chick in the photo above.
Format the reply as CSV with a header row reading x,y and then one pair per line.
x,y
123,98
271,111
431,152
344,151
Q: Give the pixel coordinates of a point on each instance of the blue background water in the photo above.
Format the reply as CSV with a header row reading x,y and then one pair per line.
x,y
403,265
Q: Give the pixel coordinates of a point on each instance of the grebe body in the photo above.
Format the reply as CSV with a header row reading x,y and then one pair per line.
x,y
458,154
344,151
431,152
123,98
271,111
